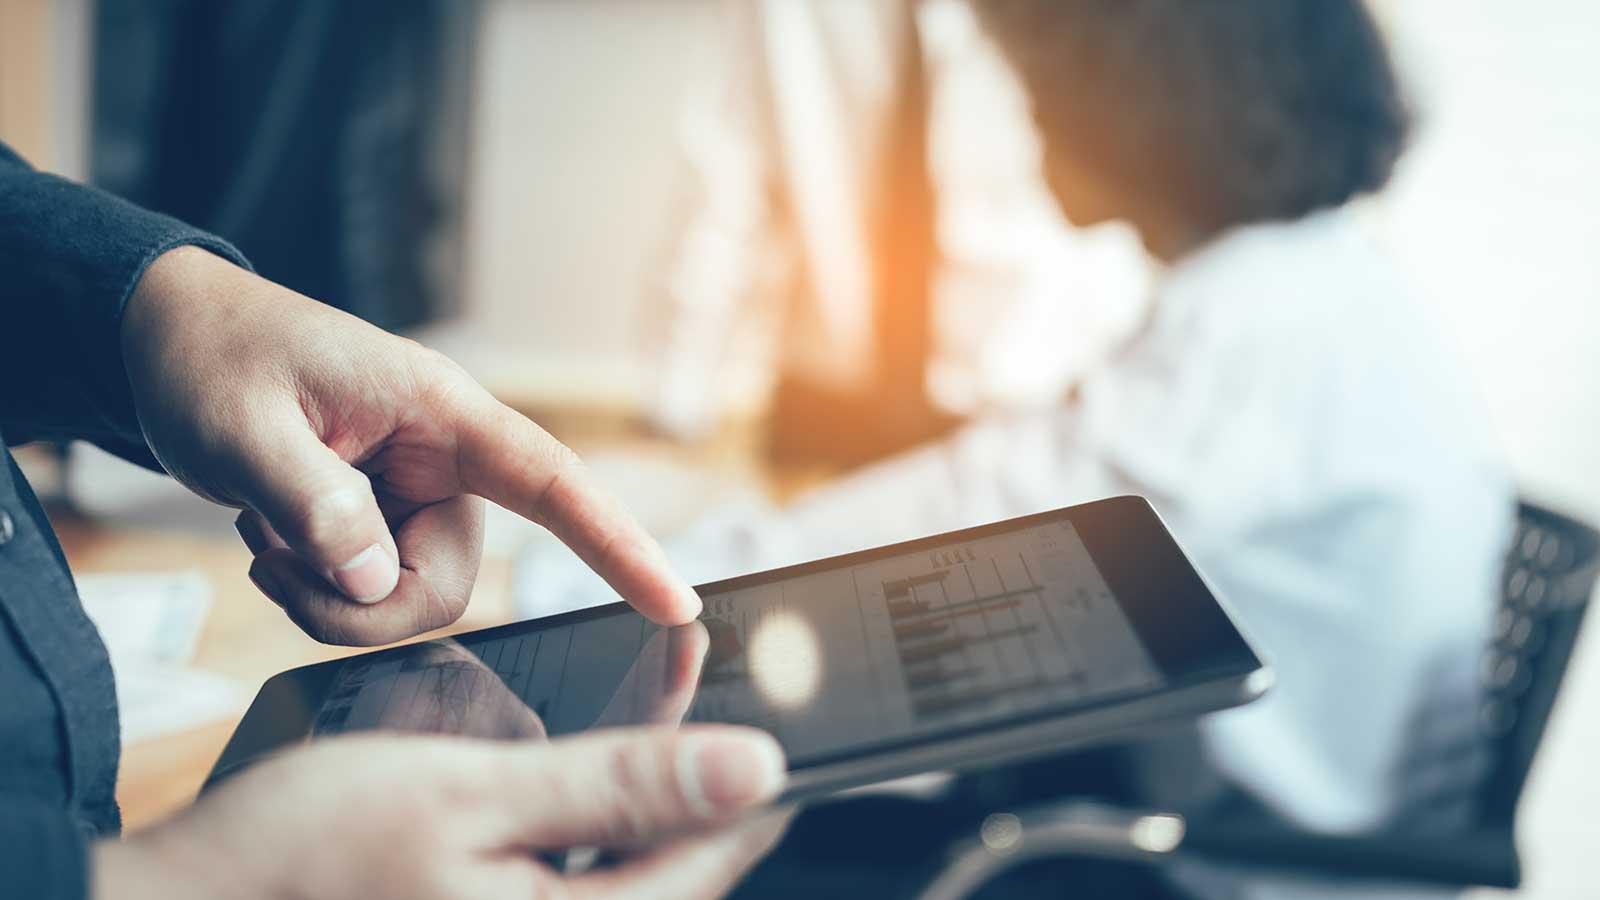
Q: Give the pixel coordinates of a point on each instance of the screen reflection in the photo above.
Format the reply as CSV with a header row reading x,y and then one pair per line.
x,y
833,661
447,687
785,661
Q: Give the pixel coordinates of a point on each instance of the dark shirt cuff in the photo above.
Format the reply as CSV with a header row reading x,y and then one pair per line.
x,y
72,255
43,853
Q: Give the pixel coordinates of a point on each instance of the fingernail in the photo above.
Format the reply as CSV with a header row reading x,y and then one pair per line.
x,y
693,602
369,577
723,773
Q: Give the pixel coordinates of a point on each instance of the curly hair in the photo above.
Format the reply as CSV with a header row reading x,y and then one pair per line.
x,y
1244,110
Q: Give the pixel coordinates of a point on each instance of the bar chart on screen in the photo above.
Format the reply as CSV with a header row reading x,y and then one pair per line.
x,y
920,641
1010,621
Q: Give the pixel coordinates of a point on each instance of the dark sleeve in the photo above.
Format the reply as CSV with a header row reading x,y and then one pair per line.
x,y
70,256
43,853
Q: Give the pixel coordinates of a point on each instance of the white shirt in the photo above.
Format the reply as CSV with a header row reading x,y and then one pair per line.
x,y
1310,435
1305,427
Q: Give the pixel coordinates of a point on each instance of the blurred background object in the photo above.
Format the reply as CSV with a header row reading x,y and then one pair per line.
x,y
44,95
867,237
326,140
593,125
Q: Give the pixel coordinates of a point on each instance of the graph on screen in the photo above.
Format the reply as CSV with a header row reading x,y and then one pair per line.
x,y
917,641
912,643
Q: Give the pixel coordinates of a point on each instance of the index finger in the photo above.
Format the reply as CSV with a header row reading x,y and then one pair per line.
x,y
506,458
660,685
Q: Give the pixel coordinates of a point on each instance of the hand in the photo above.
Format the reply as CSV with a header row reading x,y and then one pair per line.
x,y
357,456
454,694
422,817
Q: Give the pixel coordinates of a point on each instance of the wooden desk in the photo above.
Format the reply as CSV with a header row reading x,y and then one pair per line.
x,y
246,638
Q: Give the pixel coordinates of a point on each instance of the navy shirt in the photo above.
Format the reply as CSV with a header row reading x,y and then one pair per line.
x,y
69,258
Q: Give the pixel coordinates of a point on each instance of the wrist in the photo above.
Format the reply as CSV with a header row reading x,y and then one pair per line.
x,y
156,865
127,870
160,290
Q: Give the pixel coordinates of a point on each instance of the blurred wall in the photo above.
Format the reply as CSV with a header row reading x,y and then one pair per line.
x,y
25,87
1496,210
44,70
1493,209
574,171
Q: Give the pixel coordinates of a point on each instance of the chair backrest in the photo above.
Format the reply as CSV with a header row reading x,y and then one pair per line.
x,y
1550,573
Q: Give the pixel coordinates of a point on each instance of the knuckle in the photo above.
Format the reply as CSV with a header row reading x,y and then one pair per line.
x,y
441,382
564,458
635,780
613,553
562,466
331,512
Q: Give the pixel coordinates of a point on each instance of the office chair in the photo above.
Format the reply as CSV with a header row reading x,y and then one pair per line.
x,y
1550,572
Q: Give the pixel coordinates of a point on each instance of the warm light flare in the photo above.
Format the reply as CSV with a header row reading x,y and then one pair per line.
x,y
785,662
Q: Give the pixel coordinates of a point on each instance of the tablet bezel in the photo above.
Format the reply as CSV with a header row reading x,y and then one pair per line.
x,y
1205,661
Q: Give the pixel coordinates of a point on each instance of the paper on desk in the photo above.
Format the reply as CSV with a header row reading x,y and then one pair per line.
x,y
150,615
150,623
155,700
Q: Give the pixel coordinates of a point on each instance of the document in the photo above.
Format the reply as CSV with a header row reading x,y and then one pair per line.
x,y
151,624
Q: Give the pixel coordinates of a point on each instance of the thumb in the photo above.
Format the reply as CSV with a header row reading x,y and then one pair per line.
x,y
325,511
617,786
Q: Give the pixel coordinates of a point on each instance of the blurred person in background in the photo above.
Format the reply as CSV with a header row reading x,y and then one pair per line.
x,y
1299,419
865,244
361,462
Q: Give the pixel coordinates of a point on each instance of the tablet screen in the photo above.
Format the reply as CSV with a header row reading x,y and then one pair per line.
x,y
834,661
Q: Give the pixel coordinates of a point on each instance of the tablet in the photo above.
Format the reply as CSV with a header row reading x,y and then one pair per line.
x,y
961,650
